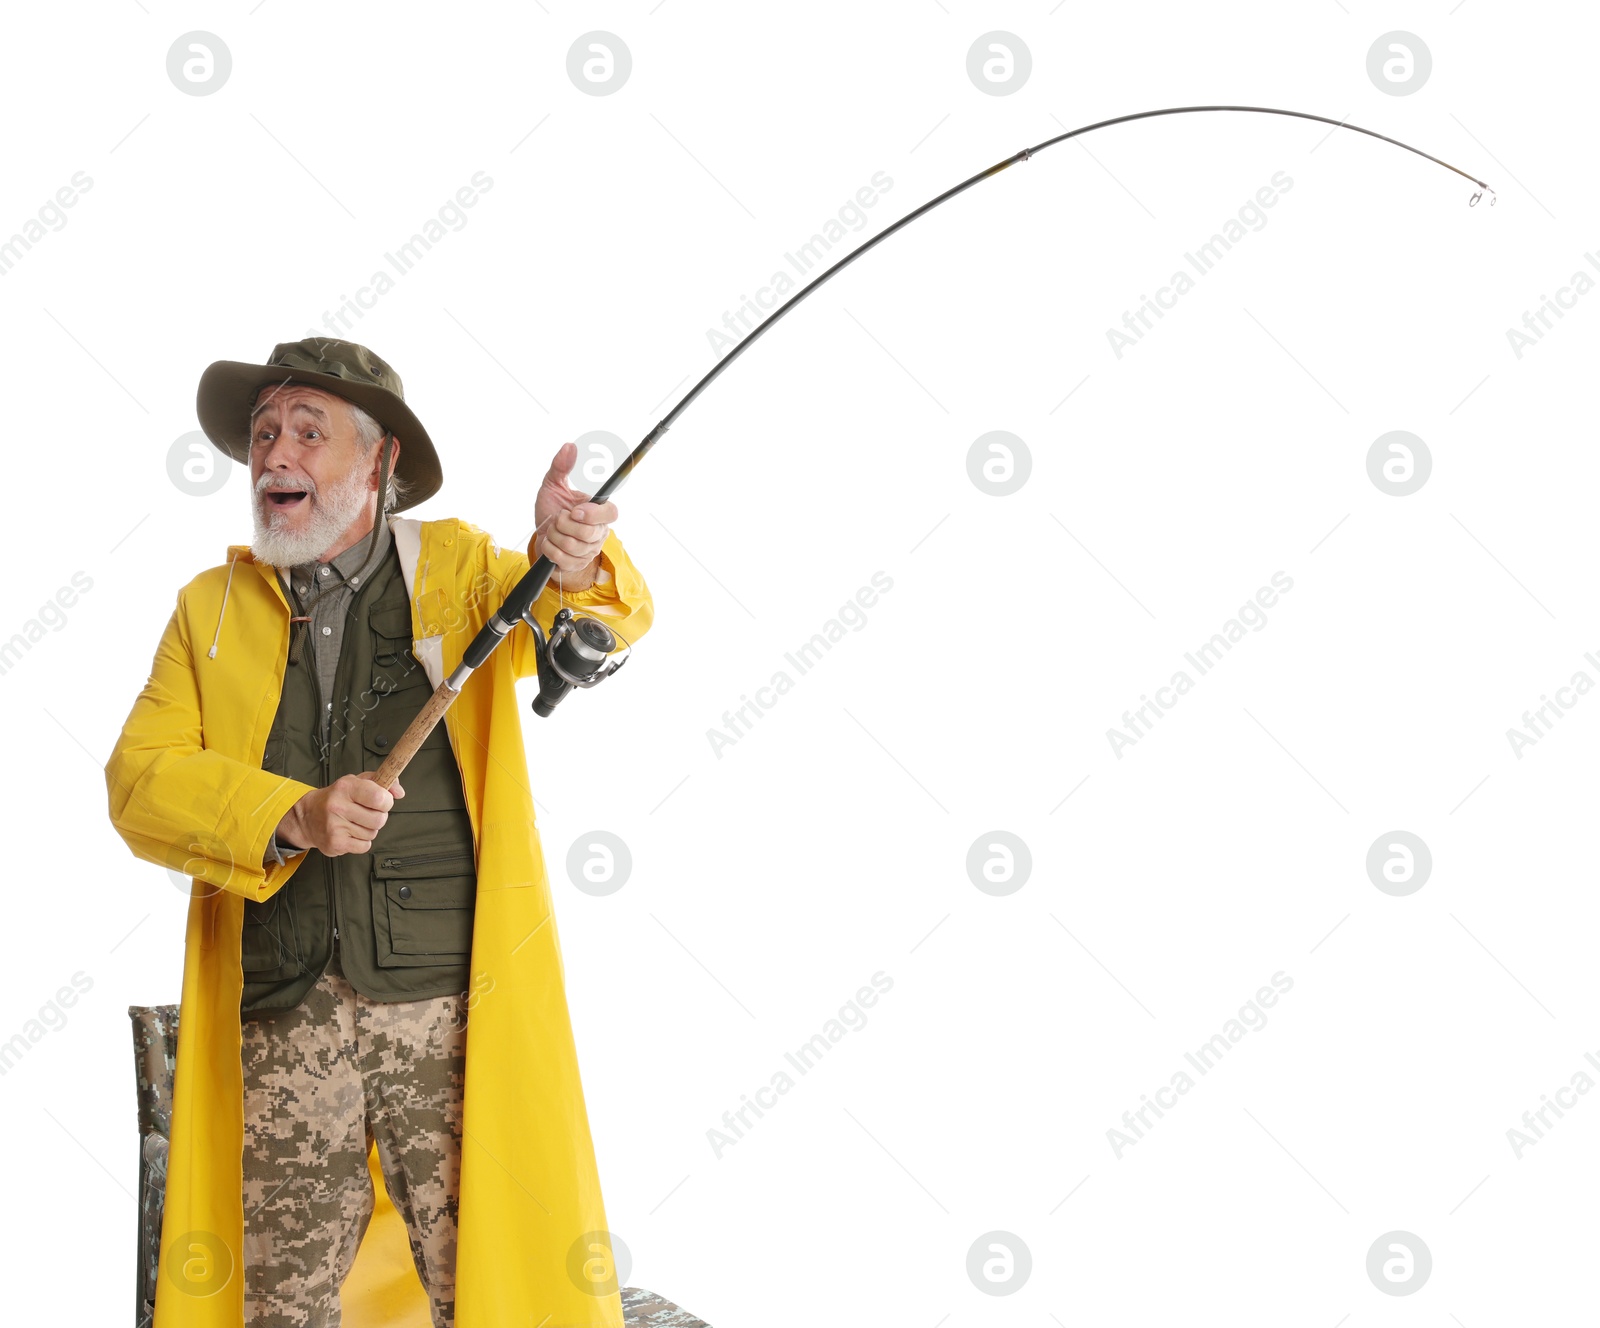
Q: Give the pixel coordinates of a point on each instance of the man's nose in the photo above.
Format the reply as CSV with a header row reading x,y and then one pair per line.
x,y
279,454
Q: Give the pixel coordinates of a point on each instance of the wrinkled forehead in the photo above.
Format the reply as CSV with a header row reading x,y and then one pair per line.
x,y
294,398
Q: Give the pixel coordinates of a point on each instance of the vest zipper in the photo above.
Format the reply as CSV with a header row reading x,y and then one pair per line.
x,y
416,859
322,748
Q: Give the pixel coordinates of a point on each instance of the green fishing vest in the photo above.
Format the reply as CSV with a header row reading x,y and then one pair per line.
x,y
402,912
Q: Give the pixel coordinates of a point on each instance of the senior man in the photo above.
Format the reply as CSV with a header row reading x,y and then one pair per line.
x,y
372,979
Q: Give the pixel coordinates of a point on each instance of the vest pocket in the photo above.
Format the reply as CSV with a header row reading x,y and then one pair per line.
x,y
394,667
274,754
432,781
423,907
268,945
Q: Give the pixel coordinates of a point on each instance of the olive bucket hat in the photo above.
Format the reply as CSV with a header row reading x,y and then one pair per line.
x,y
228,391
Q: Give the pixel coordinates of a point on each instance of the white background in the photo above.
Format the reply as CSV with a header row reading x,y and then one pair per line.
x,y
771,882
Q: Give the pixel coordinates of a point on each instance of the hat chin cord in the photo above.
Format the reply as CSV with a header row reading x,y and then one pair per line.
x,y
383,489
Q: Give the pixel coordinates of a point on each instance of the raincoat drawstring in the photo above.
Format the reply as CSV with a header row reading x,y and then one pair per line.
x,y
232,563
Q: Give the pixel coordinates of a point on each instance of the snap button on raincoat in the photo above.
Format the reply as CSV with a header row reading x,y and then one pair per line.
x,y
187,791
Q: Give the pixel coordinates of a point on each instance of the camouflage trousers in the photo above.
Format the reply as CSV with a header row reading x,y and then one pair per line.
x,y
321,1082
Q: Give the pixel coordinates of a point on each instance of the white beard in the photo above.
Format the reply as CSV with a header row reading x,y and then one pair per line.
x,y
332,511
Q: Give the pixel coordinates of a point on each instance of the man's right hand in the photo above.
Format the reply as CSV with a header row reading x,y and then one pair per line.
x,y
342,818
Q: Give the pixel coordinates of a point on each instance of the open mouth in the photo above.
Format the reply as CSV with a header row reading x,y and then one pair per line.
x,y
285,498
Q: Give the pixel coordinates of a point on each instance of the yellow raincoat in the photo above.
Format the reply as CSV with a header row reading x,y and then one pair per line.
x,y
187,790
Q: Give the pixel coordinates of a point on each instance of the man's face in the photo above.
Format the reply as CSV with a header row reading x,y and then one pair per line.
x,y
303,449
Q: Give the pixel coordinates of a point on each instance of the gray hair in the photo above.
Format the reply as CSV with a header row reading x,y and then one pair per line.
x,y
368,433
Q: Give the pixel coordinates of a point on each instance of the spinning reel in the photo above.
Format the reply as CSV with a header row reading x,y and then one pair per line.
x,y
578,653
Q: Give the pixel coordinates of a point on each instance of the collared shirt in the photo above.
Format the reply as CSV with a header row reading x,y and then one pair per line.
x,y
326,593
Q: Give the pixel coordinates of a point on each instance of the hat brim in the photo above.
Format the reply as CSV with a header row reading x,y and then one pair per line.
x,y
227,395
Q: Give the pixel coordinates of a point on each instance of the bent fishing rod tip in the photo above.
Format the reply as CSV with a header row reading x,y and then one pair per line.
x,y
1493,197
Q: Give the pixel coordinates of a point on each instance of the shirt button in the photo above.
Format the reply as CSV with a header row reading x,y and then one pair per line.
x,y
327,631
405,892
302,590
381,741
448,543
355,580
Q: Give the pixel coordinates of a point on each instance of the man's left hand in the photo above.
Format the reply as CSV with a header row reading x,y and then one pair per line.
x,y
569,529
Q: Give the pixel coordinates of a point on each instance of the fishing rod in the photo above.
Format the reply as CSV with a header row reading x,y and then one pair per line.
x,y
578,650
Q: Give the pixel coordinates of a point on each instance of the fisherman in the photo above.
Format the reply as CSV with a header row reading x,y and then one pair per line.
x,y
344,938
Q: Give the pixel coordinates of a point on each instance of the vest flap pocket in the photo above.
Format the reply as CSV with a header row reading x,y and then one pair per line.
x,y
428,915
394,667
424,891
394,623
431,892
